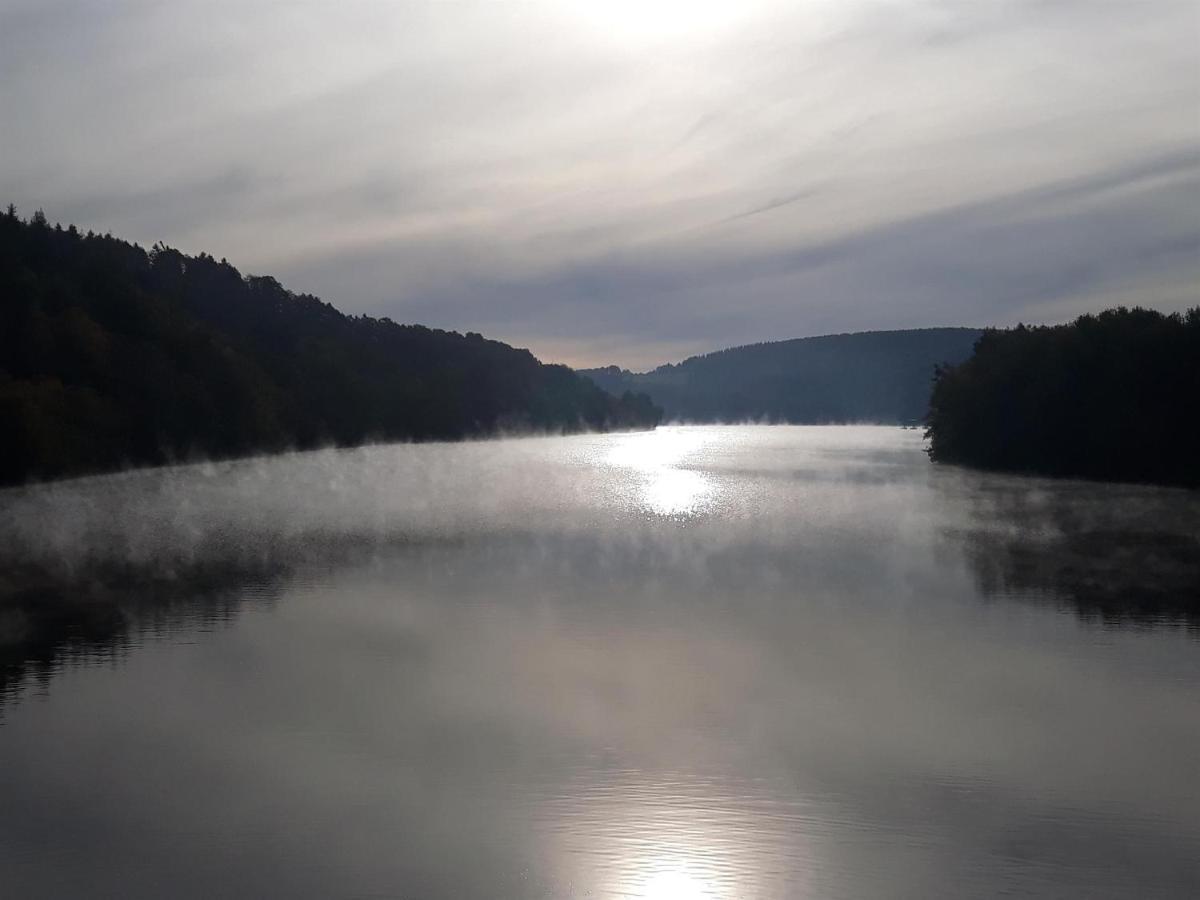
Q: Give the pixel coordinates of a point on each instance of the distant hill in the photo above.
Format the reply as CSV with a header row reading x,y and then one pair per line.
x,y
1111,397
113,356
873,376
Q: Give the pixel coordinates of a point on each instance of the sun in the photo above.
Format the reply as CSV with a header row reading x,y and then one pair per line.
x,y
642,20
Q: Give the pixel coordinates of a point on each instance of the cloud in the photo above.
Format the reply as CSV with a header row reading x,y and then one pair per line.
x,y
567,175
1049,252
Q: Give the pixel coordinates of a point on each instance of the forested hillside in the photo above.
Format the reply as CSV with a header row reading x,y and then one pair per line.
x,y
1114,396
875,376
112,356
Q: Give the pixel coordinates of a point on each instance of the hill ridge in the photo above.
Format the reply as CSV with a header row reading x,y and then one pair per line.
x,y
114,356
879,375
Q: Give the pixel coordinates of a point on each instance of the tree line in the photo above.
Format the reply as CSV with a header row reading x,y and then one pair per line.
x,y
1113,396
112,355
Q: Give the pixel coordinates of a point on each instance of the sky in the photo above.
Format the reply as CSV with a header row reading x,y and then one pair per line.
x,y
630,181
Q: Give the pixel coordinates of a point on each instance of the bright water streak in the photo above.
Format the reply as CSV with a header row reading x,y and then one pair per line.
x,y
698,663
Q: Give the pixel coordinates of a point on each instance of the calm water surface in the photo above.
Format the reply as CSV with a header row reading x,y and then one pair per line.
x,y
752,662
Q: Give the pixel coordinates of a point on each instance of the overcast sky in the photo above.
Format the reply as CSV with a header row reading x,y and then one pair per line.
x,y
630,181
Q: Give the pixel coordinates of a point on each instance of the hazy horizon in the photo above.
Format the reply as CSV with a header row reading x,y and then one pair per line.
x,y
646,368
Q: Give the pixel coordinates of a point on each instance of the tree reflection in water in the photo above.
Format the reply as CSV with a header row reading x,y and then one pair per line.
x,y
1117,554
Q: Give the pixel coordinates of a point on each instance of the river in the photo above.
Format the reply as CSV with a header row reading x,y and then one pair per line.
x,y
700,662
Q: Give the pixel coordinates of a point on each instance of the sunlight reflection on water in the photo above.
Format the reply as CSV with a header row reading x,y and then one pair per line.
x,y
716,663
674,884
684,834
657,464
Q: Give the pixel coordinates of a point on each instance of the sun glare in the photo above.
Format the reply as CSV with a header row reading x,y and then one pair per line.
x,y
674,885
658,19
654,461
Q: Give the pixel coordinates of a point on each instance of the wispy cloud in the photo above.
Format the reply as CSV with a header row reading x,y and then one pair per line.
x,y
608,183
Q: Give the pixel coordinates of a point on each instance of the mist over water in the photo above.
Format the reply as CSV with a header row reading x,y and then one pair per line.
x,y
700,662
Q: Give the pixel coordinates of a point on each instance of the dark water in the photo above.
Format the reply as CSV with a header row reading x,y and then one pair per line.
x,y
698,663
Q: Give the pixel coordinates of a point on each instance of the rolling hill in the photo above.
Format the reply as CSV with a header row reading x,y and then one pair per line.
x,y
873,376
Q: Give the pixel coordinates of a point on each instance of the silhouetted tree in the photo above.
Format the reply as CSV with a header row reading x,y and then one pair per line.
x,y
1111,396
111,356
